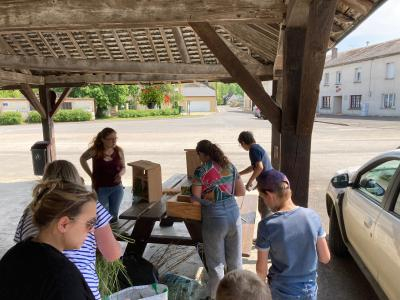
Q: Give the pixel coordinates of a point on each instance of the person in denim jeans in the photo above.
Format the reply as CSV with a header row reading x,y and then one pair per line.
x,y
108,166
214,186
293,238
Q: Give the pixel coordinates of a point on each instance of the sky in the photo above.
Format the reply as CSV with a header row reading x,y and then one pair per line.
x,y
383,25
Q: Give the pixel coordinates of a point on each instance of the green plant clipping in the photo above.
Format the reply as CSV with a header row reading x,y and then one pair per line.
x,y
108,273
10,118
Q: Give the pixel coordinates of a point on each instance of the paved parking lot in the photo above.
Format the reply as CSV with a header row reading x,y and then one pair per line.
x,y
338,142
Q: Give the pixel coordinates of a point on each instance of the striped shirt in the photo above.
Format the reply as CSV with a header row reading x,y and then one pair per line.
x,y
84,258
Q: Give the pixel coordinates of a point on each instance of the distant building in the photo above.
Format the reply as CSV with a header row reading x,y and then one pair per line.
x,y
248,104
23,106
198,98
362,81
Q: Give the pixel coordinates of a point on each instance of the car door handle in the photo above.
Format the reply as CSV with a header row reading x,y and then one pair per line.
x,y
368,223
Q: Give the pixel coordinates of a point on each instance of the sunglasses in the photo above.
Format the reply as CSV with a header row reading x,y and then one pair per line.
x,y
89,224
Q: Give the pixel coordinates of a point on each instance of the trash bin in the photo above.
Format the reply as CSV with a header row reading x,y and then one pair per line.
x,y
39,152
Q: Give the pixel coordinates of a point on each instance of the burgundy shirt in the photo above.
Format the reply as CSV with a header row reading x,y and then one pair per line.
x,y
105,172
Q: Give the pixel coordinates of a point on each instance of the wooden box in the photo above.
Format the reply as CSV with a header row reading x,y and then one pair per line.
x,y
180,206
146,181
192,161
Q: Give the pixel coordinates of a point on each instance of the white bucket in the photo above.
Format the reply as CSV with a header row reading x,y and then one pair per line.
x,y
148,292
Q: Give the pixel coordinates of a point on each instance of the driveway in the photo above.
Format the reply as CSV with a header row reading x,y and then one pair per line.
x,y
337,143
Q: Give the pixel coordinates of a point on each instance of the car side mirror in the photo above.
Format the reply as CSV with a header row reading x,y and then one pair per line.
x,y
340,181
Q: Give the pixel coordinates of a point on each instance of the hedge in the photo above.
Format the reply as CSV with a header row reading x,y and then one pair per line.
x,y
147,113
72,115
10,118
33,117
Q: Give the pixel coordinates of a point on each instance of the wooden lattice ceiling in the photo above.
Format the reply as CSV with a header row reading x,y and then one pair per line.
x,y
63,43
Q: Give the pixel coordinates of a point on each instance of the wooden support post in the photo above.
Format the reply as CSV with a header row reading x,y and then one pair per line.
x,y
46,98
276,135
303,46
57,105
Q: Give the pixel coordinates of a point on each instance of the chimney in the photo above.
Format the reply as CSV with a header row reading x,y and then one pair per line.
x,y
334,53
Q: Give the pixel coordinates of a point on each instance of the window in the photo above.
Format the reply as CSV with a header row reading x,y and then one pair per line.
x,y
375,182
326,79
66,105
388,101
396,209
338,77
355,102
326,102
357,75
390,71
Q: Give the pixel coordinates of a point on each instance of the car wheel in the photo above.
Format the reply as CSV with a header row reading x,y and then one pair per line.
x,y
336,243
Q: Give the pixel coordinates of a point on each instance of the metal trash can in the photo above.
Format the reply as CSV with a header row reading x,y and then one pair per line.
x,y
39,152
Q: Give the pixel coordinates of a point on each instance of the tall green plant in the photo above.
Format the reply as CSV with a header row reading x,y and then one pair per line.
x,y
152,95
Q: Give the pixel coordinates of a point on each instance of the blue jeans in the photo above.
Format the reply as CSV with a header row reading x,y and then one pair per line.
x,y
222,236
294,291
111,198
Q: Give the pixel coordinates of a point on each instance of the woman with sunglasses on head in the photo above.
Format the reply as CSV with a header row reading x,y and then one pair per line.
x,y
36,268
215,184
108,166
101,237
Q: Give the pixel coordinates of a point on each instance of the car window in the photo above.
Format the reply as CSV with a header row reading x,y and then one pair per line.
x,y
396,209
375,182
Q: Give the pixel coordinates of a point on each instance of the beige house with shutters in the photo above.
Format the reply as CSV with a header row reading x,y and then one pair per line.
x,y
362,82
22,105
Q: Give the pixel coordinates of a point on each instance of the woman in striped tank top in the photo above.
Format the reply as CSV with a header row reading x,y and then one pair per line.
x,y
101,238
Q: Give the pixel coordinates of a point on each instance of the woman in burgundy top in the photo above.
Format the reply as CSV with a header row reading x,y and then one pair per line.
x,y
107,168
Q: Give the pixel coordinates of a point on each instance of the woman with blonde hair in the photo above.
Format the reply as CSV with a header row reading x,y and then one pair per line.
x,y
36,268
108,166
101,237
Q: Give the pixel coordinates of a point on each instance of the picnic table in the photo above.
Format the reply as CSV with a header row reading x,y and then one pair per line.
x,y
142,216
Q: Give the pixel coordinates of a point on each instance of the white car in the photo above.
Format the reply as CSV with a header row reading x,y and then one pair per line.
x,y
364,209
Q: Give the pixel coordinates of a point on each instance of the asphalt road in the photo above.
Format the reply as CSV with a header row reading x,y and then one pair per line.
x,y
338,142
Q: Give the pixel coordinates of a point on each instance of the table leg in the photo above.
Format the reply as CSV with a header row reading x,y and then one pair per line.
x,y
140,233
194,229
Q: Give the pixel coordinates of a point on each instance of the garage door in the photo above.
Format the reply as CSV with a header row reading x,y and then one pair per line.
x,y
199,106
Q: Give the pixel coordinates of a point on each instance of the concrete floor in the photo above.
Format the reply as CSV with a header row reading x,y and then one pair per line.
x,y
338,142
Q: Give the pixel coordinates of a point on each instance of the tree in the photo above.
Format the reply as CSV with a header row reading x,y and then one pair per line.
x,y
223,89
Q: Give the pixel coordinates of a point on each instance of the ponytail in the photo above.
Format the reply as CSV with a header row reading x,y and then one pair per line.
x,y
213,151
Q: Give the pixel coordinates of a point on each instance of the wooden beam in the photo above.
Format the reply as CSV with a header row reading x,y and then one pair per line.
x,y
278,64
199,49
27,15
61,80
153,48
17,78
48,46
361,6
27,91
166,44
76,45
180,43
120,45
91,45
103,43
297,13
251,85
47,123
108,66
254,40
63,96
319,28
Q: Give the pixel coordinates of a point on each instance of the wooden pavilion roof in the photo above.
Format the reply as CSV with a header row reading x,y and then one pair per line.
x,y
72,43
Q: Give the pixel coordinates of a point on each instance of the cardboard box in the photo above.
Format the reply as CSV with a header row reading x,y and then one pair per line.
x,y
192,161
146,181
183,209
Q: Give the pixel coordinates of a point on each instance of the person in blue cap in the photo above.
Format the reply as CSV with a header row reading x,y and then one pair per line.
x,y
293,238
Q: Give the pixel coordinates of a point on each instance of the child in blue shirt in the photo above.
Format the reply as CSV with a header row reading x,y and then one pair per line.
x,y
293,238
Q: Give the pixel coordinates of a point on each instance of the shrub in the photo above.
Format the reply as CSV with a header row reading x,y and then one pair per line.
x,y
73,115
10,118
147,113
33,117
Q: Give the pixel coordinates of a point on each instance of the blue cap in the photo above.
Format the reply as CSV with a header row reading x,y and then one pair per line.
x,y
271,180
